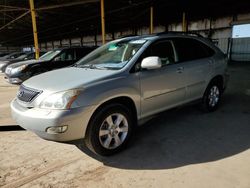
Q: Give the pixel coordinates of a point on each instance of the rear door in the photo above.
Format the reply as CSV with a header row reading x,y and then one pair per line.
x,y
197,61
164,87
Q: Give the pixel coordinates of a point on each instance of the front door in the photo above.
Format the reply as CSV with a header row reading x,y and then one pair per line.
x,y
162,88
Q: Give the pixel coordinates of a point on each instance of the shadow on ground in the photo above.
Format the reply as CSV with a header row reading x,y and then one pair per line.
x,y
11,128
187,136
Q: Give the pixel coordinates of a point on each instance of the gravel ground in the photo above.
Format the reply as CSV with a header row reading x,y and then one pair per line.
x,y
180,148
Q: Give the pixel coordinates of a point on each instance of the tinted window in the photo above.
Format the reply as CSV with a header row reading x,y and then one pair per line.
x,y
164,50
191,49
81,52
67,55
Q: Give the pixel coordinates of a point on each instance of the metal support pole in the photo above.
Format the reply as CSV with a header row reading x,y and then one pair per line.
x,y
95,39
151,20
33,16
81,40
184,22
70,42
103,22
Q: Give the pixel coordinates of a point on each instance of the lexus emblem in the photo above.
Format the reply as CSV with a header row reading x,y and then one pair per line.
x,y
20,94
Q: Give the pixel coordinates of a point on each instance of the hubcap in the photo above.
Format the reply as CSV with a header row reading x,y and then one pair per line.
x,y
214,96
113,131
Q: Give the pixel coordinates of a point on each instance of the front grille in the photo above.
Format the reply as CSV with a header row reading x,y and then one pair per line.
x,y
27,94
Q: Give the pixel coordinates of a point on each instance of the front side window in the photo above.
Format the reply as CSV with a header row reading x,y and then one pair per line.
x,y
113,55
164,50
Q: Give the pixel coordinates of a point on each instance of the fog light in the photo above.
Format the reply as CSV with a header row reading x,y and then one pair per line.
x,y
57,130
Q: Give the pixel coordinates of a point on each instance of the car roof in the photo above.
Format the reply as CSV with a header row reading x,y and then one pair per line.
x,y
166,35
76,47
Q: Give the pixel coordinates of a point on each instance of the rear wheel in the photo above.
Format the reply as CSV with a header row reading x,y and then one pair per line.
x,y
109,130
212,97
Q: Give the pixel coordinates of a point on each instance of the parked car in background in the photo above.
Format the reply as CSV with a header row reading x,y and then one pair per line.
x,y
27,56
3,54
107,93
11,56
55,59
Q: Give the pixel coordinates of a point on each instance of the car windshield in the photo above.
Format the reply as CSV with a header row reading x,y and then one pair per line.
x,y
113,55
13,55
22,56
50,55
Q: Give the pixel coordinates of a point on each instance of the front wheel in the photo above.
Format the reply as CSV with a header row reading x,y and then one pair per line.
x,y
212,97
109,130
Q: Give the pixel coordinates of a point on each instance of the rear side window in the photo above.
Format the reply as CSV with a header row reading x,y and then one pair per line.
x,y
81,52
191,49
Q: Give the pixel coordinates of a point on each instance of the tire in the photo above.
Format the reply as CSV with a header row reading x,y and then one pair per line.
x,y
212,97
104,135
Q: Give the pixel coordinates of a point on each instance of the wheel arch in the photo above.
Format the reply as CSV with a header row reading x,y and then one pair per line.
x,y
123,100
219,79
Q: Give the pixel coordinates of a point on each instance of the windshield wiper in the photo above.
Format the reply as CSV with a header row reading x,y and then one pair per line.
x,y
91,66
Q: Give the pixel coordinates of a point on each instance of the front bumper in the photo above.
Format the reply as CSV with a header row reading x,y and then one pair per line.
x,y
16,78
38,120
13,80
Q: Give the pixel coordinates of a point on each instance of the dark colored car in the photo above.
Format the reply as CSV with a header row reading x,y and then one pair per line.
x,y
3,54
55,59
11,56
24,57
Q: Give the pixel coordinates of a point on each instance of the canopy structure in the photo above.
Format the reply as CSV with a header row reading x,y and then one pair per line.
x,y
57,19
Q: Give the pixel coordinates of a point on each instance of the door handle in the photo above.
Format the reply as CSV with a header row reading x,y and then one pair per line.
x,y
180,69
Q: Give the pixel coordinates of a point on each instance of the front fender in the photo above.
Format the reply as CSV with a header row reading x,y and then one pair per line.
x,y
98,94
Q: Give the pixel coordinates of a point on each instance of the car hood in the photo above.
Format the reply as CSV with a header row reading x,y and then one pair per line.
x,y
33,61
3,59
4,62
67,78
17,60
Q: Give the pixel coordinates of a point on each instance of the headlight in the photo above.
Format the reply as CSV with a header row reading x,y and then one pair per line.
x,y
18,69
1,65
61,100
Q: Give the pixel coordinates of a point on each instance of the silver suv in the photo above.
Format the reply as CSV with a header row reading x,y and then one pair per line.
x,y
104,95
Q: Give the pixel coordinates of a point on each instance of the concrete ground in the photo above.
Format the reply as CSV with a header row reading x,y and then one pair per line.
x,y
180,148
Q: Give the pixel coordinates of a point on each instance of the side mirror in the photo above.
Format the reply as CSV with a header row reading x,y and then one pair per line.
x,y
152,62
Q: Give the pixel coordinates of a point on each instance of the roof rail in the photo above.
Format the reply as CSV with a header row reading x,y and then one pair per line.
x,y
124,36
180,32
